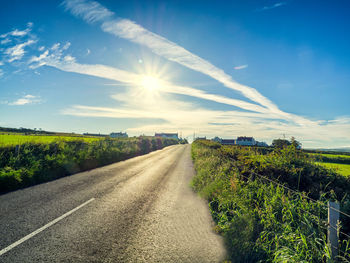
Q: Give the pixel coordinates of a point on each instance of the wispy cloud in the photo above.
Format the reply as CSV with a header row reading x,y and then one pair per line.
x,y
279,4
5,41
240,67
17,32
15,43
91,12
25,100
16,52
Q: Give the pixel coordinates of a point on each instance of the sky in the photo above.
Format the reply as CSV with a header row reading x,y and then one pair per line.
x,y
267,69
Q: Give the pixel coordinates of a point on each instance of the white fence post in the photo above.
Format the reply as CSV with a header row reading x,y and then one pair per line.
x,y
333,218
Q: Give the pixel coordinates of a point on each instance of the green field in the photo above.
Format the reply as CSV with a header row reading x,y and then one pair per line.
x,y
343,169
331,155
7,139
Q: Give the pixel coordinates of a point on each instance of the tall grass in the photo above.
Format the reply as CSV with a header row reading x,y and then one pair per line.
x,y
262,221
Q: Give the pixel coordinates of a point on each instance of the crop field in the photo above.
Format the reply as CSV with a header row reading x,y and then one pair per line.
x,y
343,169
7,139
340,163
334,156
270,205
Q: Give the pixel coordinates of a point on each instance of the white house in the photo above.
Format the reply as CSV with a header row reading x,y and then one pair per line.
x,y
245,141
228,142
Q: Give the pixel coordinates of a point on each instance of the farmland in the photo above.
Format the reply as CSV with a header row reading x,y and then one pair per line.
x,y
11,139
27,160
260,201
339,163
343,169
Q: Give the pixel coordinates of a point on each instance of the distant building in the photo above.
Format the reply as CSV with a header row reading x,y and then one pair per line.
x,y
118,135
95,134
201,138
245,141
167,135
228,142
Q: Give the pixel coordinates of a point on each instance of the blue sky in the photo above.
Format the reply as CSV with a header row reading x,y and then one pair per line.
x,y
266,69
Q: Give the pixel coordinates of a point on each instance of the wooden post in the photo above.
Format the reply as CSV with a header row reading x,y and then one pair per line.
x,y
333,218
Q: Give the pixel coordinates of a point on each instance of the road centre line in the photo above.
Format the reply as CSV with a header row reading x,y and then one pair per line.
x,y
15,244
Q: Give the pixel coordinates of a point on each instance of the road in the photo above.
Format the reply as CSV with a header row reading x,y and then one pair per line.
x,y
138,210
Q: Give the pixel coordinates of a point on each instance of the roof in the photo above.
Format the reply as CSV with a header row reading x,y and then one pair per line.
x,y
223,141
243,138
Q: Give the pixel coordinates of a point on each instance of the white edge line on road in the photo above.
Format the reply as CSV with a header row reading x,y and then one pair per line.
x,y
6,249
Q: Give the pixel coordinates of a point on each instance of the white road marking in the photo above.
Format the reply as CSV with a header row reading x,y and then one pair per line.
x,y
6,249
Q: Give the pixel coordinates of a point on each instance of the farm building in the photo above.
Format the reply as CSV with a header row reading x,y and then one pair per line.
x,y
167,135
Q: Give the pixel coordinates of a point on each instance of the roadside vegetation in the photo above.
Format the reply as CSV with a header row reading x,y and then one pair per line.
x,y
44,158
260,200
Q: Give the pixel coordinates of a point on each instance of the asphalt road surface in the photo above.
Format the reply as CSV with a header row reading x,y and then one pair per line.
x,y
139,210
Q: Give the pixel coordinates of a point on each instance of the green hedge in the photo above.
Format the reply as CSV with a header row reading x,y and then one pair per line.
x,y
36,163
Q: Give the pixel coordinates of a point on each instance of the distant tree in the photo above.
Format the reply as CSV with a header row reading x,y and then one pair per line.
x,y
280,143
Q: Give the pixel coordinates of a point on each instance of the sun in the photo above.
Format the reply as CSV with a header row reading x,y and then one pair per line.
x,y
150,83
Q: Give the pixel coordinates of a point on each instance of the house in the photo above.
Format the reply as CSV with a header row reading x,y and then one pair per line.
x,y
228,142
167,135
245,141
118,135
